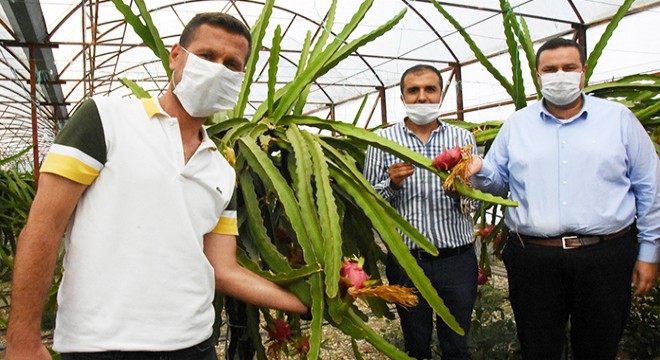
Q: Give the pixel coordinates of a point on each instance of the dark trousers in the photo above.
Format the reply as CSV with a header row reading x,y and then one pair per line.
x,y
455,279
203,351
240,344
588,286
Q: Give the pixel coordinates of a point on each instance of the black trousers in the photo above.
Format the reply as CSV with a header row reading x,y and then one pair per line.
x,y
455,280
203,351
588,287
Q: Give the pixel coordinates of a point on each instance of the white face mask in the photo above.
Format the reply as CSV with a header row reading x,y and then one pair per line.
x,y
422,114
206,87
561,88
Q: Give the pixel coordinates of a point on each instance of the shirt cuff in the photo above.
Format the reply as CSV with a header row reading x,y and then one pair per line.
x,y
648,252
388,189
485,175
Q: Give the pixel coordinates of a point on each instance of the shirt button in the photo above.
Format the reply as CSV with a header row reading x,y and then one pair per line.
x,y
564,162
563,203
564,182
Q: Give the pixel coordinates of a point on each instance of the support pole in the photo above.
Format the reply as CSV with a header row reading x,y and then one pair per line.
x,y
459,90
580,35
33,101
383,104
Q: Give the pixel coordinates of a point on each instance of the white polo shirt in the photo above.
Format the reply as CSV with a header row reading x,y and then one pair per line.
x,y
136,277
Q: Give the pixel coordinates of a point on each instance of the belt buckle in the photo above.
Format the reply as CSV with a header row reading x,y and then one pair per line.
x,y
563,242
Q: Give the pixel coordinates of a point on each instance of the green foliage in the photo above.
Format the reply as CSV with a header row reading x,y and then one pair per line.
x,y
139,92
484,132
146,30
493,331
16,194
526,39
640,93
510,29
301,192
273,60
506,84
258,31
602,42
641,338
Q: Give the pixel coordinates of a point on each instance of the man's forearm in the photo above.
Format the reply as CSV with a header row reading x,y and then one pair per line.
x,y
36,254
33,273
241,283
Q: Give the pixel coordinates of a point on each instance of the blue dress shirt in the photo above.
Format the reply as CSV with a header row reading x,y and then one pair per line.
x,y
591,174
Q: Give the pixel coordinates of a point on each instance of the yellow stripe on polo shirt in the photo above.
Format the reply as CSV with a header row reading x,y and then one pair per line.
x,y
151,107
70,168
226,226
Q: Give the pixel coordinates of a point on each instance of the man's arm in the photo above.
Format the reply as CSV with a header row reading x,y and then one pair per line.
x,y
491,174
385,180
236,281
36,254
644,174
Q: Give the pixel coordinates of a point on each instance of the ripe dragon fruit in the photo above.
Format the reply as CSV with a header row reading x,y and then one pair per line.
x,y
447,159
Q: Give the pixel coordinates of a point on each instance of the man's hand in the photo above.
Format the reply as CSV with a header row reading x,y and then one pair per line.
x,y
399,172
644,276
474,166
21,353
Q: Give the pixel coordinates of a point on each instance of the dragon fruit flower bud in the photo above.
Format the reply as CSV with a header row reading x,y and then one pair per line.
x,y
485,231
352,274
302,345
280,331
447,159
482,278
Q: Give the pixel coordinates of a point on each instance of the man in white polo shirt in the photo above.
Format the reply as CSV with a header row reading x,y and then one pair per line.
x,y
146,202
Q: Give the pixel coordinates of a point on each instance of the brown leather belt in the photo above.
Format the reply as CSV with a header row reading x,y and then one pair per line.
x,y
573,241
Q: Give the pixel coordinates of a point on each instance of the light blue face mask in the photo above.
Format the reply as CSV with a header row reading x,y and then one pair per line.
x,y
207,87
422,114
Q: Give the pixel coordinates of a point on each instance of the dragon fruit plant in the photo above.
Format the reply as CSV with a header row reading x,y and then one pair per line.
x,y
303,204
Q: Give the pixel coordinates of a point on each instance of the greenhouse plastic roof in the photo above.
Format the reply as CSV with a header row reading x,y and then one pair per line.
x,y
81,48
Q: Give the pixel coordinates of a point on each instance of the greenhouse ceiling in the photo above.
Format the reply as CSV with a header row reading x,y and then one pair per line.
x,y
81,48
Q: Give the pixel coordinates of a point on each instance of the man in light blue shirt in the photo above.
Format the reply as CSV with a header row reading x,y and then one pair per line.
x,y
586,176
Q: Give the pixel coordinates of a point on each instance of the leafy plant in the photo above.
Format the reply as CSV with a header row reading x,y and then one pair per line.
x,y
16,194
602,42
493,331
512,31
303,203
641,338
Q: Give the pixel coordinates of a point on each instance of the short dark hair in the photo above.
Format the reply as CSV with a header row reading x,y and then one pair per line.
x,y
420,68
216,19
559,43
